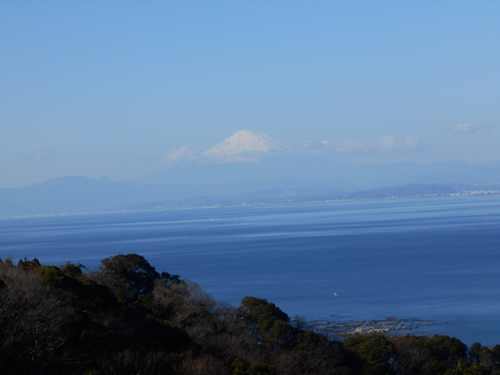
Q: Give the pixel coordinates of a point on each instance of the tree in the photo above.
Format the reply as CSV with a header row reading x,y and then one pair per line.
x,y
269,323
128,276
375,353
411,357
29,265
263,313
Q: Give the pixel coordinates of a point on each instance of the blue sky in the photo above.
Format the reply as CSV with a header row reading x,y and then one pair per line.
x,y
110,88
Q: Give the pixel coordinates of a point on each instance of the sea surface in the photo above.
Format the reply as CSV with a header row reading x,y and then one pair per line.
x,y
436,259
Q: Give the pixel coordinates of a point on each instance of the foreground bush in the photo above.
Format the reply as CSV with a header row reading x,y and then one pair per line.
x,y
126,318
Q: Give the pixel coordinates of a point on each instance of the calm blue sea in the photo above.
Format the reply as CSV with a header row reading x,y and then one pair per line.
x,y
431,259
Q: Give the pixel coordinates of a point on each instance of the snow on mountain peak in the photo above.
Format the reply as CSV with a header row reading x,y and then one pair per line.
x,y
241,142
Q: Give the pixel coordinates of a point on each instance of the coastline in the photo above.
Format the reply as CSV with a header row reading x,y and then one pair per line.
x,y
253,204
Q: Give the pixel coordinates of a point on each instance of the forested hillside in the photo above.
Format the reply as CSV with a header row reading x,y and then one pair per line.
x,y
126,318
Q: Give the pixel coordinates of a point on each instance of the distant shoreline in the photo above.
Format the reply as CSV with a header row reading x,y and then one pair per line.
x,y
256,204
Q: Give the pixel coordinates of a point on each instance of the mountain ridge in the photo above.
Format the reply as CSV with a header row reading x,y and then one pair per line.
x,y
78,194
246,163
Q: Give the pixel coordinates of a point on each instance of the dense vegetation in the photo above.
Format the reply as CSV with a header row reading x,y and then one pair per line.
x,y
126,318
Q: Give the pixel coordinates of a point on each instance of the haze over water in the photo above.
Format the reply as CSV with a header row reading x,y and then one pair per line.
x,y
431,259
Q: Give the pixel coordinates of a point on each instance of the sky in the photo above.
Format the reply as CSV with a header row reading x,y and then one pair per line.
x,y
113,88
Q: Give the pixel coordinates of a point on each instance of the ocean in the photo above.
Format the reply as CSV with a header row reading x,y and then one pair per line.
x,y
434,259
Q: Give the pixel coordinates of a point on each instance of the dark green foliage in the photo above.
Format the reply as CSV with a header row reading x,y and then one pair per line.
x,y
170,279
73,270
495,357
128,276
432,355
29,265
54,277
263,313
445,347
79,291
269,323
126,318
371,354
485,357
60,321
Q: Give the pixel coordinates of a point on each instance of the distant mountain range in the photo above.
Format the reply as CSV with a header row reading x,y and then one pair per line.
x,y
248,168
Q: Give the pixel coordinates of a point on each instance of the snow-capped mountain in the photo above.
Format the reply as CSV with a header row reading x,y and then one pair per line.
x,y
243,146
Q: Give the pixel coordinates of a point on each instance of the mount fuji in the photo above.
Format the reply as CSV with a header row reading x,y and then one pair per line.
x,y
243,146
246,154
